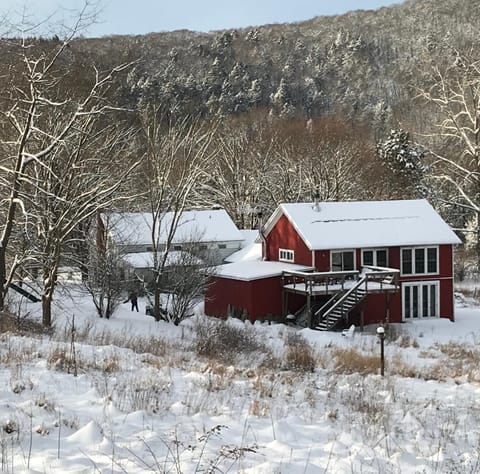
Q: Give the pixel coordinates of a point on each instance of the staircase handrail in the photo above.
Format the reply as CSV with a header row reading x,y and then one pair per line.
x,y
345,296
330,302
384,273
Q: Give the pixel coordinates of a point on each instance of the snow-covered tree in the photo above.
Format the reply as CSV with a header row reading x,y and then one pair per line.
x,y
174,156
406,163
454,142
41,115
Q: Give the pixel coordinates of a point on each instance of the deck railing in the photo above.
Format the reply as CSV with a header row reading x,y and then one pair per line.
x,y
333,282
306,281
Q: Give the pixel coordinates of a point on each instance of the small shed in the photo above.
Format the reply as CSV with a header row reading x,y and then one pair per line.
x,y
250,289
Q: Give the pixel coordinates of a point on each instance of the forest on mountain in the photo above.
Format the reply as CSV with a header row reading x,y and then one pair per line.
x,y
368,105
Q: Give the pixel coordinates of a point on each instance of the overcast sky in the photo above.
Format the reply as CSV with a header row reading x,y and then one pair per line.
x,y
145,16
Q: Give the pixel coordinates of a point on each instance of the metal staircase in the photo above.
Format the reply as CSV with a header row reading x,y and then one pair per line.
x,y
338,307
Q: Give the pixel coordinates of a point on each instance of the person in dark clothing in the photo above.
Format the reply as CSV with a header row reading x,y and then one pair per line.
x,y
132,297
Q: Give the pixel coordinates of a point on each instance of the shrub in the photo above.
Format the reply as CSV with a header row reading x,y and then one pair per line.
x,y
21,324
299,355
221,340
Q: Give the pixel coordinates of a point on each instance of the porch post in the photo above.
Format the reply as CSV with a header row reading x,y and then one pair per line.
x,y
309,310
387,316
362,318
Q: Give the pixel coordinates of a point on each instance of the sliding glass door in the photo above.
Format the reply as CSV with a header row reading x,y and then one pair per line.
x,y
420,300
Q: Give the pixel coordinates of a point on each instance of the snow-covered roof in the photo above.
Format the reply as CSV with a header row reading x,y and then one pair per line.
x,y
249,236
354,224
255,269
134,228
251,249
174,257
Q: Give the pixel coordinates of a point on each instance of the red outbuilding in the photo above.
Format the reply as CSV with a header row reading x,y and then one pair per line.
x,y
332,263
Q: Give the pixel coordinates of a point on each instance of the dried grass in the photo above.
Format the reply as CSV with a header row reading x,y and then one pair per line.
x,y
351,361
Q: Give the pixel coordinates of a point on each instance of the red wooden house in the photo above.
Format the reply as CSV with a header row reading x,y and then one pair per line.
x,y
333,263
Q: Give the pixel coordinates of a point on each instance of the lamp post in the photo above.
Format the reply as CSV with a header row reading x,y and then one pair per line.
x,y
381,336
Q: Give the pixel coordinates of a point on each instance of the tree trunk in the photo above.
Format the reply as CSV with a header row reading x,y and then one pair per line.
x,y
3,277
156,300
47,310
477,244
49,288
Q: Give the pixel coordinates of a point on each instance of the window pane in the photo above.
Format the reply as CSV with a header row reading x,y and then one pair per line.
x,y
406,261
336,262
406,302
433,300
425,308
432,260
419,260
368,257
414,301
348,263
381,258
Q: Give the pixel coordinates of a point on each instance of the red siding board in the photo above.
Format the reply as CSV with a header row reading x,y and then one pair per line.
x,y
267,298
375,308
223,292
446,299
283,235
260,299
322,260
446,260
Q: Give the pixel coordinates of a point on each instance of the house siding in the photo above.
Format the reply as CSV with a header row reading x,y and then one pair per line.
x,y
222,254
322,260
256,299
283,235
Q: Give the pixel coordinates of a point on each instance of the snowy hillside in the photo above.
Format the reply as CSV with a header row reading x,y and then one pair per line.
x,y
213,397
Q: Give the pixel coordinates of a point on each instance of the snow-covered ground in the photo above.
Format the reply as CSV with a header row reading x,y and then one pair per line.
x,y
148,398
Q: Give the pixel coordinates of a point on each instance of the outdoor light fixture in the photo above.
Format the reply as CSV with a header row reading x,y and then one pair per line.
x,y
381,336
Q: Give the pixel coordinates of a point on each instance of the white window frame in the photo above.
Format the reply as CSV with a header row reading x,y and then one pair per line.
x,y
425,250
419,285
343,251
375,250
286,255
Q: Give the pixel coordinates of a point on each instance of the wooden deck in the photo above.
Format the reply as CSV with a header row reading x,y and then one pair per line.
x,y
345,289
378,280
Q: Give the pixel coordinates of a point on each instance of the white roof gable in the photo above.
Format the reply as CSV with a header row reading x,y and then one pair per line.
x,y
360,224
134,228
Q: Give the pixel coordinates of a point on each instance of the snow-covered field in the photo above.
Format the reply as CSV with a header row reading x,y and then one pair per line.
x,y
153,397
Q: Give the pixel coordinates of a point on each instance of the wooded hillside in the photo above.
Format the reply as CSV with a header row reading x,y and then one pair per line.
x,y
369,105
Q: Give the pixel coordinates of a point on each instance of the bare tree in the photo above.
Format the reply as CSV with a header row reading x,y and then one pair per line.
x,y
69,187
185,280
454,95
262,162
172,163
106,277
44,122
242,168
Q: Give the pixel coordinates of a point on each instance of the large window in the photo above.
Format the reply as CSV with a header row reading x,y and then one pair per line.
x,y
375,258
420,300
285,255
419,260
342,261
